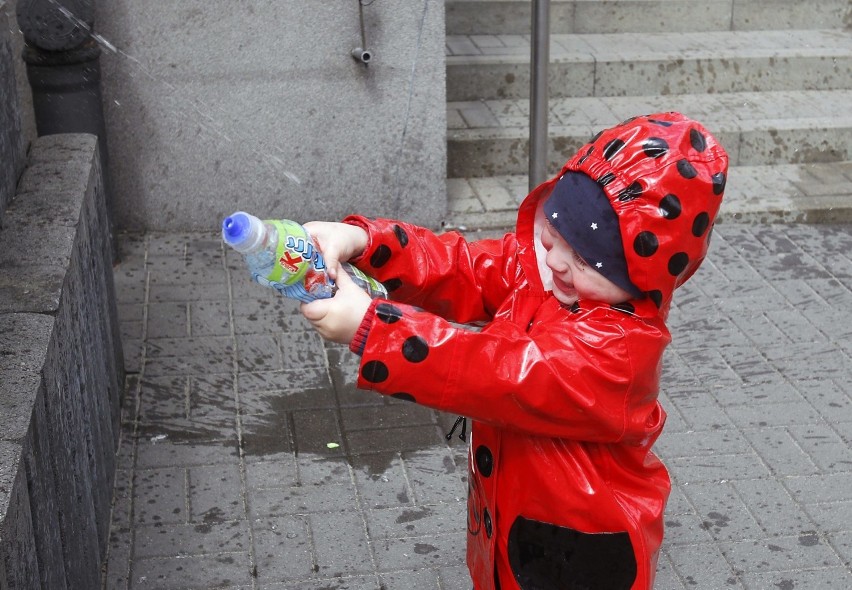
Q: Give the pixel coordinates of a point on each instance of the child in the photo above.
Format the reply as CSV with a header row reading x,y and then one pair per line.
x,y
561,383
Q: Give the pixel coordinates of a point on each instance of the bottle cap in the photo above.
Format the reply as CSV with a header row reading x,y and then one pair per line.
x,y
243,232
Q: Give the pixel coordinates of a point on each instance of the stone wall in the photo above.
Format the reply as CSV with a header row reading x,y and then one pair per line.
x,y
214,106
61,371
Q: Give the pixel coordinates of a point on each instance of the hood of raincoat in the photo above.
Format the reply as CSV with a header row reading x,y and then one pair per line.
x,y
664,175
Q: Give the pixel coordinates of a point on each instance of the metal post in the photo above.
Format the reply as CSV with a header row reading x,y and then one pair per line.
x,y
539,61
63,68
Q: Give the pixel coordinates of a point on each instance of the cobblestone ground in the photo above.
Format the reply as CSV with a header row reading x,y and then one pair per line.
x,y
248,460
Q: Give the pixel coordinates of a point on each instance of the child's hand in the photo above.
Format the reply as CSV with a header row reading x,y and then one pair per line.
x,y
338,242
337,319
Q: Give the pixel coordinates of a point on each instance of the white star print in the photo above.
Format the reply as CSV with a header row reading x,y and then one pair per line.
x,y
554,215
599,265
594,226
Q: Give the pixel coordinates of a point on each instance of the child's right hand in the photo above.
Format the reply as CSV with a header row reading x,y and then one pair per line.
x,y
337,318
338,242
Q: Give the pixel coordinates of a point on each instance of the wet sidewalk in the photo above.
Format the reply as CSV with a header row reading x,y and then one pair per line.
x,y
248,459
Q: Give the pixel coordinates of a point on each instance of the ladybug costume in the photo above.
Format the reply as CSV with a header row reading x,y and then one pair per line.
x,y
563,491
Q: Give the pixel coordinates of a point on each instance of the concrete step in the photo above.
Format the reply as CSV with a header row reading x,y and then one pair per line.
x,y
512,17
802,193
631,64
490,137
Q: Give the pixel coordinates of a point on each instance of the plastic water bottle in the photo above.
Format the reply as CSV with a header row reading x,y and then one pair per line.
x,y
281,254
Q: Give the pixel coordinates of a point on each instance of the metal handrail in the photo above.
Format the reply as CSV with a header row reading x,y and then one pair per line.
x,y
539,61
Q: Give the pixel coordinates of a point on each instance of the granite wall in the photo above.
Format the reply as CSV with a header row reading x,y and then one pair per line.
x,y
213,106
61,370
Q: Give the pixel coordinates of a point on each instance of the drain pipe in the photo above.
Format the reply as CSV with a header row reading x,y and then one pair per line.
x,y
539,60
63,68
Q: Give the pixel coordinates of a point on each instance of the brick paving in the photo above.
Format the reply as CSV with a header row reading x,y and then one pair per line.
x,y
248,460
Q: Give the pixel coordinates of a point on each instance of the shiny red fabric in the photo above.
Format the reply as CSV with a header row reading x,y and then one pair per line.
x,y
563,400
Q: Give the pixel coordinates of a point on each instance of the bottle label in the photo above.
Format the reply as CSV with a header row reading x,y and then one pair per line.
x,y
296,254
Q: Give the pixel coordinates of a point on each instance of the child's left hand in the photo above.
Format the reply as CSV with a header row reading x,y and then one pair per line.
x,y
337,318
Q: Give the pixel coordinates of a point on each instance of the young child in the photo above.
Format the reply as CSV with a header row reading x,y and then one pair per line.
x,y
561,382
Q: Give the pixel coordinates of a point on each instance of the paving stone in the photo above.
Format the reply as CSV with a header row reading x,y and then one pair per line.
x,y
341,544
340,583
773,507
824,446
703,566
416,580
716,468
419,552
831,577
168,320
455,577
781,553
404,438
216,494
160,496
435,478
271,474
205,571
382,480
415,521
283,501
820,488
171,540
725,515
209,318
779,450
283,549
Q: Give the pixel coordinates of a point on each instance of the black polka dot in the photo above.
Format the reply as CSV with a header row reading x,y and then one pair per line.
x,y
696,138
686,169
388,313
374,371
486,518
657,297
670,207
719,181
484,460
699,224
606,179
655,147
401,235
415,349
612,148
392,284
626,121
625,306
646,244
406,397
631,192
575,307
380,257
588,153
597,136
677,263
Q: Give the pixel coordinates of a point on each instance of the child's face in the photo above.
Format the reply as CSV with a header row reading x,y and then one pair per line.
x,y
573,278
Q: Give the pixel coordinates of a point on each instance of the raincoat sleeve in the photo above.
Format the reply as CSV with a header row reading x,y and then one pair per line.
x,y
593,380
446,275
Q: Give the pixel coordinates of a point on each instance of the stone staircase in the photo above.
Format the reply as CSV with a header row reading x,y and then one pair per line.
x,y
771,78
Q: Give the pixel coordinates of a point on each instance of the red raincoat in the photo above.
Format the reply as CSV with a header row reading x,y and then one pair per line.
x,y
564,491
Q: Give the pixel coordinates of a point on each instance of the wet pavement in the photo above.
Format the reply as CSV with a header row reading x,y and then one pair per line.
x,y
248,459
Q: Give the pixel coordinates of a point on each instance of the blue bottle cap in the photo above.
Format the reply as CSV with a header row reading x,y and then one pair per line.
x,y
236,228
